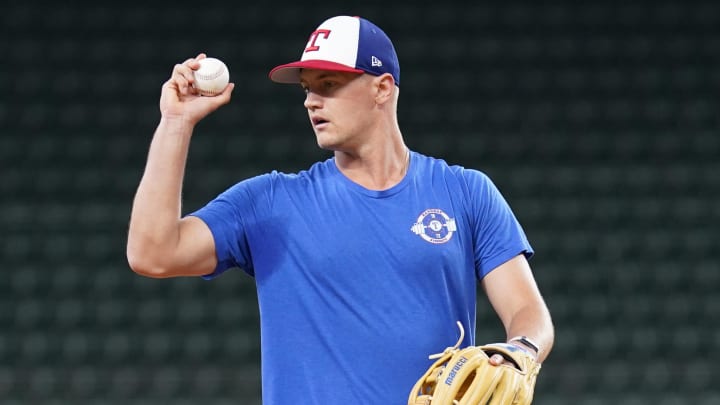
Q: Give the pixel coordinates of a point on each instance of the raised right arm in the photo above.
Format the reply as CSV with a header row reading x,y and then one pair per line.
x,y
160,242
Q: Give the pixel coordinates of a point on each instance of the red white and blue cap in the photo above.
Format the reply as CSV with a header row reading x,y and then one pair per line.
x,y
346,44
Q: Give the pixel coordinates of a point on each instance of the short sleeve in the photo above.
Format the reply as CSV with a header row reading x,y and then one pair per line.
x,y
498,236
229,216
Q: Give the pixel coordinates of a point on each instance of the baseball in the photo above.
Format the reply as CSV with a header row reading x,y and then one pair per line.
x,y
212,77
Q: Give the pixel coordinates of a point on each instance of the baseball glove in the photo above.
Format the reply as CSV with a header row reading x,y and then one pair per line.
x,y
466,377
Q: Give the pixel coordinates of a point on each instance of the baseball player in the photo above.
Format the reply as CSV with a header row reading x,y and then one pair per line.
x,y
364,262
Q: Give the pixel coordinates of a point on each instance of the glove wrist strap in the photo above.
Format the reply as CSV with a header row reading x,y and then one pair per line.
x,y
525,341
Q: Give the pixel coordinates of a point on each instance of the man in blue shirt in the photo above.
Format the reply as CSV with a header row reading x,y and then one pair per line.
x,y
363,262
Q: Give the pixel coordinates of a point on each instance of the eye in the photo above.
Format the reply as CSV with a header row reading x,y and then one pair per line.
x,y
323,87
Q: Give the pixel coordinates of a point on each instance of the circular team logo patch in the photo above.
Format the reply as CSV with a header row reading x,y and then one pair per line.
x,y
435,226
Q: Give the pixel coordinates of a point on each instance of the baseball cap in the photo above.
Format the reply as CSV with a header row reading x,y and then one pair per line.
x,y
346,44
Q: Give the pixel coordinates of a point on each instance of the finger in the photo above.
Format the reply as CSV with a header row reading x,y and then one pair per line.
x,y
188,68
497,360
175,84
183,76
182,85
169,86
194,63
189,75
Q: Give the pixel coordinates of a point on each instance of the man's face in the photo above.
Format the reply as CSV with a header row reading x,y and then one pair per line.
x,y
339,106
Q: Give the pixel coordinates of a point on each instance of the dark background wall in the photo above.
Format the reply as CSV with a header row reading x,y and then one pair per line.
x,y
599,122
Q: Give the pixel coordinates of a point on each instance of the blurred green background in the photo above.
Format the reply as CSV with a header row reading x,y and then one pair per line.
x,y
597,120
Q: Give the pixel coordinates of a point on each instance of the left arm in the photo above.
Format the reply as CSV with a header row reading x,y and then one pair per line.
x,y
514,295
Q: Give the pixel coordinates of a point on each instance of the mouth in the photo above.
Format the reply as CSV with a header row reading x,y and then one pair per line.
x,y
319,121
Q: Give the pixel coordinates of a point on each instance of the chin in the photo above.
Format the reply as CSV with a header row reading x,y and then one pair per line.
x,y
326,143
326,146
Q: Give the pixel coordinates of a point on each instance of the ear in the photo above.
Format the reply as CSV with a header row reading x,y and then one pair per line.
x,y
384,86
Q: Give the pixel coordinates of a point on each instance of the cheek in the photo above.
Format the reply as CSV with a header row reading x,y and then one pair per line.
x,y
359,110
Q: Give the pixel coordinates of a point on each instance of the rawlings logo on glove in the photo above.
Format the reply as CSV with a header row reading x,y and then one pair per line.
x,y
466,377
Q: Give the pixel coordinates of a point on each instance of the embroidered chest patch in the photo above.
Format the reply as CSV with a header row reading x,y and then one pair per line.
x,y
435,226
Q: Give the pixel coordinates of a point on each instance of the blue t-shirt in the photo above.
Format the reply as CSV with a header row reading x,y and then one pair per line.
x,y
357,287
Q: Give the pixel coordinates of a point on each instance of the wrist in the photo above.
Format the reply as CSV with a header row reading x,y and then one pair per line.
x,y
177,120
177,125
526,344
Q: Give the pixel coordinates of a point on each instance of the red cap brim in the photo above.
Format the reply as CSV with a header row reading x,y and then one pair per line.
x,y
290,72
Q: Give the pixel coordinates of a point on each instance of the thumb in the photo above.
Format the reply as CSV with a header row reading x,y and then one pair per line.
x,y
212,103
224,97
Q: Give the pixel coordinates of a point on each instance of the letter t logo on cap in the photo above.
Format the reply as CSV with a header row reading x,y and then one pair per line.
x,y
313,37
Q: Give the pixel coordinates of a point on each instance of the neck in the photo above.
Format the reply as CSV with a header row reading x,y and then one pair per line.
x,y
375,168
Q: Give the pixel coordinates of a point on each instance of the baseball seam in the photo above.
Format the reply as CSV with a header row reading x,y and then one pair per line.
x,y
209,76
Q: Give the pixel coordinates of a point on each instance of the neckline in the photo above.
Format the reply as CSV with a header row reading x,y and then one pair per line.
x,y
379,193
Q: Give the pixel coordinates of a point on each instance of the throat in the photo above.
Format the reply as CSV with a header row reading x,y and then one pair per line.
x,y
380,177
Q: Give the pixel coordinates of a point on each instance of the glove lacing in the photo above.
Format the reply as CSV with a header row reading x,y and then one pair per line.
x,y
449,351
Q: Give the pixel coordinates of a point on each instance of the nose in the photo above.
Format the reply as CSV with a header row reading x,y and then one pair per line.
x,y
312,100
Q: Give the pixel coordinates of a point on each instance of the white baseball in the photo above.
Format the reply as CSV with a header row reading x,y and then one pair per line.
x,y
212,77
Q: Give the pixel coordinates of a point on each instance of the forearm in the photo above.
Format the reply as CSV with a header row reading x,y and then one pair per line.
x,y
156,210
534,321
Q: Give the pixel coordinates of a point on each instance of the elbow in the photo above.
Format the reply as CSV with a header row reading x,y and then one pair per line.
x,y
145,264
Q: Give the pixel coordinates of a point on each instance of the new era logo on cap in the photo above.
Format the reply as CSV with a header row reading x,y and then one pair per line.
x,y
343,43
